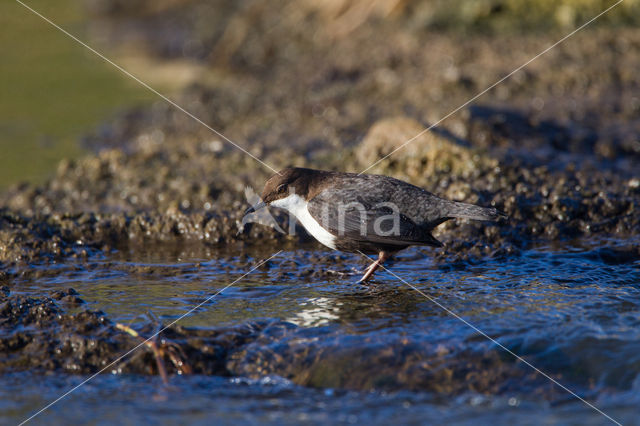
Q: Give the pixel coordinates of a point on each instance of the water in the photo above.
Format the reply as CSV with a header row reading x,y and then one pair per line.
x,y
370,354
202,400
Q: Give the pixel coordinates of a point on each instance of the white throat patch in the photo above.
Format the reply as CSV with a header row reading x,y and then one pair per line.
x,y
297,206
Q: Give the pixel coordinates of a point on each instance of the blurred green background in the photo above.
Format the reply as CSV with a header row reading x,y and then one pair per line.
x,y
52,89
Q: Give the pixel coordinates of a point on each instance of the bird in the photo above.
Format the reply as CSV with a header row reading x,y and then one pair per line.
x,y
364,213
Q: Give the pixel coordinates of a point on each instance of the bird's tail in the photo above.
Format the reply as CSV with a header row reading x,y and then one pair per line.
x,y
470,211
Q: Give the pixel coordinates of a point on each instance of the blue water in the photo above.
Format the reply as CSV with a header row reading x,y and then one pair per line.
x,y
375,354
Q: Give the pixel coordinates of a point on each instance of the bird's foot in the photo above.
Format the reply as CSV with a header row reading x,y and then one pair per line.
x,y
363,280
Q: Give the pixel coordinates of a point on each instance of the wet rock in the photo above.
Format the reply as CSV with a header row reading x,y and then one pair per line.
x,y
27,239
68,297
356,362
38,334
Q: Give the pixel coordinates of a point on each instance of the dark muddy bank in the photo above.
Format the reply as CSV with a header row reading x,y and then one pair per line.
x,y
554,146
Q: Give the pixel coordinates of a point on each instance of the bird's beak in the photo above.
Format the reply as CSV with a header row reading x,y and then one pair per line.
x,y
255,207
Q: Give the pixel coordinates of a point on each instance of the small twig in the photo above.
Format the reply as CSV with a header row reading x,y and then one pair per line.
x,y
176,355
151,344
160,350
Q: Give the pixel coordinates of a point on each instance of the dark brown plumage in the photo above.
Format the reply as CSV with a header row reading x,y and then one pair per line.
x,y
365,213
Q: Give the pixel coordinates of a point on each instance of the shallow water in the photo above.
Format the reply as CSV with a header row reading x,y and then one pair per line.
x,y
201,400
377,352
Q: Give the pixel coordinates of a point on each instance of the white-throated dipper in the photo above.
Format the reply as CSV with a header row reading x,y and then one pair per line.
x,y
373,214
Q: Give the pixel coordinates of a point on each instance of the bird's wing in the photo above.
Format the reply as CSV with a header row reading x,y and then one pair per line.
x,y
362,217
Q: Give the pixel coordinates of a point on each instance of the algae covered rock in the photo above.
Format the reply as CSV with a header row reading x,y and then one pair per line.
x,y
416,153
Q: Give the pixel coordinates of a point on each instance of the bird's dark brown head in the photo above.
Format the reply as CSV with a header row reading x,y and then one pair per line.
x,y
292,180
305,183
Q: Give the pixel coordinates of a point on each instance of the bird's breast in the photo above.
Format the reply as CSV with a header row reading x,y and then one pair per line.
x,y
297,206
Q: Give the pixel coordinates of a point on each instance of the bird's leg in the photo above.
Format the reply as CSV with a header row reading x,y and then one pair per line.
x,y
382,257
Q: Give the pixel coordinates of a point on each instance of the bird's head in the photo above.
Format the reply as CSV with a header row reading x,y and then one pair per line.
x,y
292,180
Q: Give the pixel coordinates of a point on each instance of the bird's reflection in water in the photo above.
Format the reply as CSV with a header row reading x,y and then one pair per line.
x,y
317,311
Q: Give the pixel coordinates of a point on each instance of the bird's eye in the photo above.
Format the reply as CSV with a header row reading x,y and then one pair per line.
x,y
281,188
